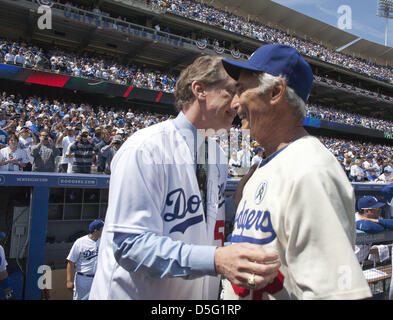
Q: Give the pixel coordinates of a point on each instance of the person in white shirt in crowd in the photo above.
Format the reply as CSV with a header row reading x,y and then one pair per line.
x,y
21,124
386,176
379,166
244,155
356,173
66,141
347,162
233,165
20,58
12,158
76,71
390,164
9,58
26,141
369,164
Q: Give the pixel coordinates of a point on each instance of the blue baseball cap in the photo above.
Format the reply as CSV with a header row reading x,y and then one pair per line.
x,y
257,149
2,235
369,202
277,60
96,225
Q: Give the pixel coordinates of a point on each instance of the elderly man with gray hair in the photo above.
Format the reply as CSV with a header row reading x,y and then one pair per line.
x,y
298,202
357,173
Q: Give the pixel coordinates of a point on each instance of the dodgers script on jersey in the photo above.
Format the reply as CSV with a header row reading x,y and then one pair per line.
x,y
161,195
301,205
84,254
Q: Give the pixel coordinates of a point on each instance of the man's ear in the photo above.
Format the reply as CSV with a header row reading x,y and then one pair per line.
x,y
278,92
198,89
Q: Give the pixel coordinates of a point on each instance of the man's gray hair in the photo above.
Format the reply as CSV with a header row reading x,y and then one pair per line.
x,y
267,82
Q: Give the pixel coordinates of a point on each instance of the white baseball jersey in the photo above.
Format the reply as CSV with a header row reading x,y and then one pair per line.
x,y
3,261
153,187
84,253
301,205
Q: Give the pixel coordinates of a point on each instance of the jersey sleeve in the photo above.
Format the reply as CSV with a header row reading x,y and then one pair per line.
x,y
136,192
73,256
320,229
162,257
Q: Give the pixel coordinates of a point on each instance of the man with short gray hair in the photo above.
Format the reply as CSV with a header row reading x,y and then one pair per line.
x,y
298,202
356,173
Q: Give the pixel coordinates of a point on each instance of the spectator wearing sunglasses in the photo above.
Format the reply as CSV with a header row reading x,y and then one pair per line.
x,y
44,154
82,151
109,151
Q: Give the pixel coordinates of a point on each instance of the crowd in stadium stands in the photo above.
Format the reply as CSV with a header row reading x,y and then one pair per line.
x,y
97,68
59,61
228,21
57,136
34,120
353,119
363,162
237,24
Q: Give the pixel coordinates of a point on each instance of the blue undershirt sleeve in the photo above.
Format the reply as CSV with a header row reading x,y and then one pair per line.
x,y
161,256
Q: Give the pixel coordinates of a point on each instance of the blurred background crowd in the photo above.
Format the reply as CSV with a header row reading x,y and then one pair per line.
x,y
58,136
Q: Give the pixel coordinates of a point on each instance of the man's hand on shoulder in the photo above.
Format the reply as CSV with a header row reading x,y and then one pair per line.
x,y
237,262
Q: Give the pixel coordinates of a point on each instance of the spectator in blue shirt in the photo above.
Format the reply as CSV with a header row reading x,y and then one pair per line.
x,y
368,217
372,175
37,126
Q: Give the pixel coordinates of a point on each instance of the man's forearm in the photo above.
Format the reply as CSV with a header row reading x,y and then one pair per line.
x,y
70,271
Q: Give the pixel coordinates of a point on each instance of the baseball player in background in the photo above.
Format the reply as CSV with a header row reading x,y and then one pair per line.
x,y
4,280
158,241
298,202
82,261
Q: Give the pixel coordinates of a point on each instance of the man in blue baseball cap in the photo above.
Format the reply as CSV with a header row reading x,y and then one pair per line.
x,y
300,191
368,217
82,261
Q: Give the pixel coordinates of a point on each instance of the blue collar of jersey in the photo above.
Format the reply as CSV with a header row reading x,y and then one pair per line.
x,y
268,159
